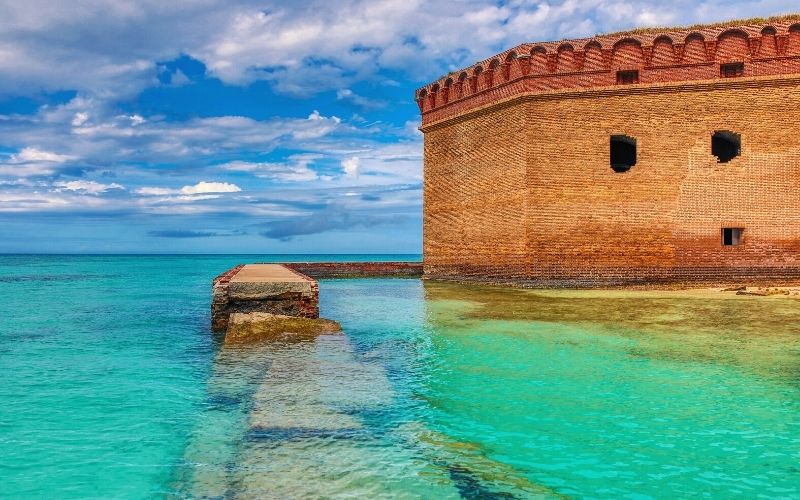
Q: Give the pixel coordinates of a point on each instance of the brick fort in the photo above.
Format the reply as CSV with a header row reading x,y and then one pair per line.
x,y
647,157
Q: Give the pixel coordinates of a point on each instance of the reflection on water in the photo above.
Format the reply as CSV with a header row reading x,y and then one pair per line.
x,y
448,391
754,333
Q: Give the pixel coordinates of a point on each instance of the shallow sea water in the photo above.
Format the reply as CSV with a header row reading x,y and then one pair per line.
x,y
112,386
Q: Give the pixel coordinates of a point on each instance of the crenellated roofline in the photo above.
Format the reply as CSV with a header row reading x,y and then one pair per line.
x,y
751,48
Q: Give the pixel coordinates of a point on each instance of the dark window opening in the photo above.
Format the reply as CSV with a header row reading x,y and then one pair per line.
x,y
731,70
726,145
623,153
732,236
627,77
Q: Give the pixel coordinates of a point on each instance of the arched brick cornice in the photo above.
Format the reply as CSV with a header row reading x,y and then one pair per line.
x,y
669,55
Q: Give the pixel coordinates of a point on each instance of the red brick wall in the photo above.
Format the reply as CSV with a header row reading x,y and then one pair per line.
x,y
323,270
671,56
523,191
475,176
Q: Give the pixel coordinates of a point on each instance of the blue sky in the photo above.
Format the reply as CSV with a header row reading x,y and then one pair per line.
x,y
248,126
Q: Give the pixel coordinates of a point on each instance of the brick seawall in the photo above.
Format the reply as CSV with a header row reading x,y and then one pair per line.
x,y
322,270
628,278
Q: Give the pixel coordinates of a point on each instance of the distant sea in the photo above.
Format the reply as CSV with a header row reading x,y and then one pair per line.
x,y
112,386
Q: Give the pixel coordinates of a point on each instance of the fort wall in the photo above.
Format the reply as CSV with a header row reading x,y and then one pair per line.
x,y
519,185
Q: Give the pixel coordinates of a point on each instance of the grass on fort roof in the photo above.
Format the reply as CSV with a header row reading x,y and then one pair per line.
x,y
722,24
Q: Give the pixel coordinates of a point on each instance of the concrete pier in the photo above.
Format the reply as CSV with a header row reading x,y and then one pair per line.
x,y
289,289
264,288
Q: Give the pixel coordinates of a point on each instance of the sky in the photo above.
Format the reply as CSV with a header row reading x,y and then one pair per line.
x,y
223,126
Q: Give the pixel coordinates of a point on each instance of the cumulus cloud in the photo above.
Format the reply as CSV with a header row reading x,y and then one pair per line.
x,y
351,166
103,47
210,187
31,155
396,162
25,202
297,169
202,187
31,162
347,40
53,202
88,132
113,47
88,187
79,119
156,191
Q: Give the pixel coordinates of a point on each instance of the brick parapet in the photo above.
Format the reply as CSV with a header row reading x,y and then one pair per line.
x,y
768,48
500,100
226,277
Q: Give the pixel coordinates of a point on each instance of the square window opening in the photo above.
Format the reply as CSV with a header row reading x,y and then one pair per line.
x,y
726,145
623,153
731,70
627,77
732,236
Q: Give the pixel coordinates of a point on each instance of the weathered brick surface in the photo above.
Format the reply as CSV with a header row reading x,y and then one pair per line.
x,y
669,56
322,270
518,186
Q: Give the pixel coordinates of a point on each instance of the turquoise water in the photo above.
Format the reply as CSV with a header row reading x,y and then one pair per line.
x,y
113,386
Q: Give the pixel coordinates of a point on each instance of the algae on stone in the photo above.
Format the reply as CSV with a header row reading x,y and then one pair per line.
x,y
258,326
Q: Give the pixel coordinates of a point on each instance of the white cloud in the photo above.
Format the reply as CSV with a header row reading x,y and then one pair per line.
x,y
375,163
31,162
33,155
201,188
58,200
90,131
24,202
103,47
297,169
165,200
204,187
136,119
351,166
156,191
347,95
179,78
79,119
112,47
88,187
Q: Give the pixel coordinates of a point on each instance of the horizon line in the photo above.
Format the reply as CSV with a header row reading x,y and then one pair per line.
x,y
200,254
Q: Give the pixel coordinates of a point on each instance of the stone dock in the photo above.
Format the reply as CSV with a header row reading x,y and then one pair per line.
x,y
289,289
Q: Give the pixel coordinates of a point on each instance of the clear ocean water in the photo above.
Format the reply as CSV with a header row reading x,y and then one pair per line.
x,y
112,386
